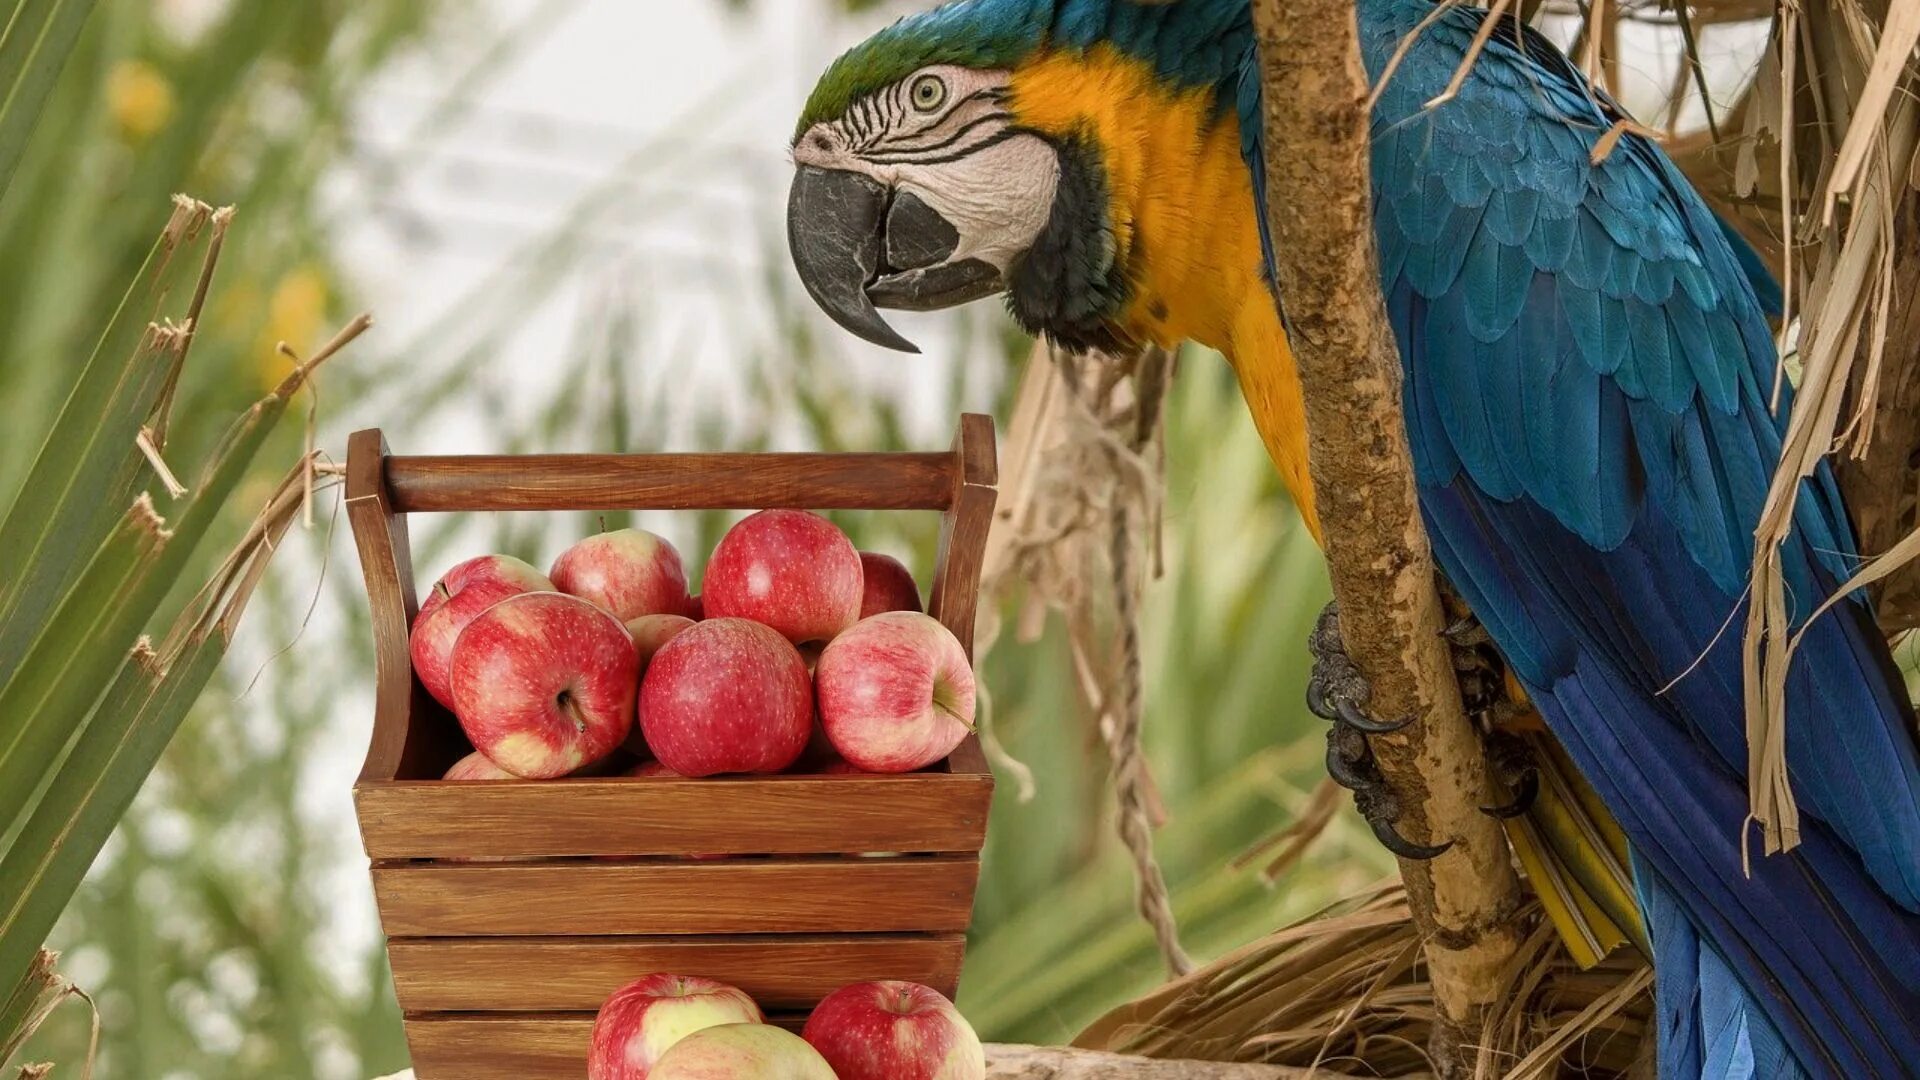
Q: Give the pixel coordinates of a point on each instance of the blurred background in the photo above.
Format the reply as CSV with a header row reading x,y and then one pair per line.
x,y
566,216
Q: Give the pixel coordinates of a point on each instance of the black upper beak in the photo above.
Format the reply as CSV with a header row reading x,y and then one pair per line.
x,y
858,246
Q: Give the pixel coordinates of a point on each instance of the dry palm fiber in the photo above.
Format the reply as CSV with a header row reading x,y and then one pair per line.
x,y
1347,990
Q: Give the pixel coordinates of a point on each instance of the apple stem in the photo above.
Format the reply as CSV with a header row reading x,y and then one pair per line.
x,y
440,590
572,708
943,699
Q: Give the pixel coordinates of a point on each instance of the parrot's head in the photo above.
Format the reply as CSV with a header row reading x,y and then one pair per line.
x,y
925,179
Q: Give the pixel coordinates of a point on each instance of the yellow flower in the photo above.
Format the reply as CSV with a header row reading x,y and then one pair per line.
x,y
139,98
295,314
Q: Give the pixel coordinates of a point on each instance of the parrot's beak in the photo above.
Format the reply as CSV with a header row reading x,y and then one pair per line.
x,y
860,246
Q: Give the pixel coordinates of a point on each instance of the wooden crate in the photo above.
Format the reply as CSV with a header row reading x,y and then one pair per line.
x,y
513,908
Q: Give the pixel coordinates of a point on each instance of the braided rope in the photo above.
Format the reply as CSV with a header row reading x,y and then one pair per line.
x,y
1123,747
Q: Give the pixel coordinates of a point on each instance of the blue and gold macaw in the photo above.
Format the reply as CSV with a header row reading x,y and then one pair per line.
x,y
1587,363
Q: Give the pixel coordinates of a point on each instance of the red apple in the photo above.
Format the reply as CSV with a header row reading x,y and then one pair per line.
x,y
888,585
467,590
647,1016
896,692
630,572
649,633
696,608
476,766
544,683
742,1052
727,696
895,1031
789,569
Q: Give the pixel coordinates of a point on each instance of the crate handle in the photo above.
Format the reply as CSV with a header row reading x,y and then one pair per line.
x,y
383,488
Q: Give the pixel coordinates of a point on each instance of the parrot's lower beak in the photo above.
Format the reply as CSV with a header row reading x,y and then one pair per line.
x,y
859,246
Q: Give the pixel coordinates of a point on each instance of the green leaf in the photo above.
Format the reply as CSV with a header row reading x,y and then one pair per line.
x,y
97,625
34,45
95,786
89,461
31,995
49,695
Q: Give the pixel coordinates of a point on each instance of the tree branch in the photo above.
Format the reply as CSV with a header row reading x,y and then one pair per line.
x,y
1316,130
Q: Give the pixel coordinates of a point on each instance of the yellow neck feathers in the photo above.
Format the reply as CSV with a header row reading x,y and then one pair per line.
x,y
1182,206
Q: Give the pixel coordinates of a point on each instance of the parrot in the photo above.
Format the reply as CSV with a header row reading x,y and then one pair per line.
x,y
1588,374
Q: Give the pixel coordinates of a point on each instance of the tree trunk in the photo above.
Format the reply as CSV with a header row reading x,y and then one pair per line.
x,y
1316,130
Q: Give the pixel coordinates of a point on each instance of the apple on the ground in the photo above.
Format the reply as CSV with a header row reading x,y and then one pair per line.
x,y
888,585
790,569
895,1031
742,1052
896,692
456,600
727,696
477,766
644,1018
630,572
544,683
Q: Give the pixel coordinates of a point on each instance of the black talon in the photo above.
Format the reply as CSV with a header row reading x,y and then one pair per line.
x,y
1466,632
1529,790
1317,702
1403,847
1349,766
1335,693
1351,715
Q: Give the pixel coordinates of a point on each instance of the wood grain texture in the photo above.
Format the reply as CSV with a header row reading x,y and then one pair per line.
x,y
1315,121
561,974
554,1047
400,745
548,1046
775,815
955,596
744,896
672,482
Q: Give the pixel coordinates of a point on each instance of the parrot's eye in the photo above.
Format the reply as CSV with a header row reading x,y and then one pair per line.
x,y
929,92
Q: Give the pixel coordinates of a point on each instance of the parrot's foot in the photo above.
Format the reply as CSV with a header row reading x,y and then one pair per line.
x,y
1483,692
1338,692
1513,763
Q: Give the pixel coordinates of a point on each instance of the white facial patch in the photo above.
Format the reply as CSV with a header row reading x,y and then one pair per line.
x,y
961,156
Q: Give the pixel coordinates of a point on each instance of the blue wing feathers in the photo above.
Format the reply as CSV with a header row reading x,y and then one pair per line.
x,y
1587,401
1588,368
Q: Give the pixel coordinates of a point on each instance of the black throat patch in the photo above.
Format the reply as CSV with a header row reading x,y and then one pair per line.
x,y
1072,284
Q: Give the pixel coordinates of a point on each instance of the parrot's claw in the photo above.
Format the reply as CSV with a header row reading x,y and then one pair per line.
x,y
1351,716
1337,692
1404,847
1344,711
1512,762
1466,633
1527,790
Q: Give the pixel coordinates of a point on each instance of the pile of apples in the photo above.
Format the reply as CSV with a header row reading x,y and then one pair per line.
x,y
674,1027
551,674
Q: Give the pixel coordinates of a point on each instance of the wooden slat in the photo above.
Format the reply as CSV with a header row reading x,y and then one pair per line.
x,y
558,974
744,896
776,815
410,733
955,596
552,1046
671,482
